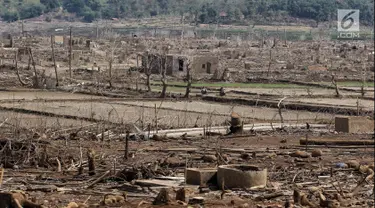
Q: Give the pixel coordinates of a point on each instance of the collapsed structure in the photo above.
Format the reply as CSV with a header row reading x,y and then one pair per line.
x,y
176,64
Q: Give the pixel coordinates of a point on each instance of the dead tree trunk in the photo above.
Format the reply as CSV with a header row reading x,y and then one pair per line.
x,y
70,52
28,64
110,73
269,65
126,145
363,82
54,61
189,79
336,86
147,70
17,71
163,79
91,161
148,83
36,84
280,112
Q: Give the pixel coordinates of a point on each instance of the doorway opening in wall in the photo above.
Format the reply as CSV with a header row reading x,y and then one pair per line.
x,y
208,68
180,65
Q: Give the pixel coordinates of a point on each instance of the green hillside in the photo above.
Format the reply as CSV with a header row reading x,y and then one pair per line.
x,y
195,11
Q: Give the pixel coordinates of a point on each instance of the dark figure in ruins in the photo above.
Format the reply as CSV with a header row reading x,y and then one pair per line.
x,y
222,91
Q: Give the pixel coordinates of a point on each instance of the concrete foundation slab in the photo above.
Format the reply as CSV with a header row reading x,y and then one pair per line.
x,y
197,176
241,176
354,124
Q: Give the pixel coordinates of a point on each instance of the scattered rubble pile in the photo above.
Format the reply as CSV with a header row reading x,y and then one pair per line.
x,y
283,176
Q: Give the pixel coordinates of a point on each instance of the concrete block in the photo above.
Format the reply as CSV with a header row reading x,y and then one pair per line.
x,y
354,124
197,176
241,176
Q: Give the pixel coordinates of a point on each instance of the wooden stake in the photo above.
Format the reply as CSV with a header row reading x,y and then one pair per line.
x,y
54,60
91,161
33,63
156,119
70,52
17,70
126,145
284,36
1,176
58,165
99,179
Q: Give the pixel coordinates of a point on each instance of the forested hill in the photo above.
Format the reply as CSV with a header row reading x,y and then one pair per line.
x,y
195,11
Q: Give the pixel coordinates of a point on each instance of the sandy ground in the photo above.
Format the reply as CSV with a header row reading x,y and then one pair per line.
x,y
26,94
364,104
171,114
245,111
297,91
24,120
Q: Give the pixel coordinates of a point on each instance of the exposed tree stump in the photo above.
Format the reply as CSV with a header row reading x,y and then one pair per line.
x,y
181,194
236,123
91,161
162,198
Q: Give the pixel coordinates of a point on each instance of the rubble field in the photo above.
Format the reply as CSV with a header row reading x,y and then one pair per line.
x,y
125,121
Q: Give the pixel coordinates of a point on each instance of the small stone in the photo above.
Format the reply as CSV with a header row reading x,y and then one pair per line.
x,y
156,137
209,158
353,164
246,205
314,189
203,190
316,153
72,205
341,165
300,154
196,200
181,203
245,156
173,162
363,168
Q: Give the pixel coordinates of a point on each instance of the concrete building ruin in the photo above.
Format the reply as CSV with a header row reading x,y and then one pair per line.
x,y
176,64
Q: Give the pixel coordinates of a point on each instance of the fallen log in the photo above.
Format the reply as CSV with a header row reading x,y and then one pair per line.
x,y
269,196
98,180
335,142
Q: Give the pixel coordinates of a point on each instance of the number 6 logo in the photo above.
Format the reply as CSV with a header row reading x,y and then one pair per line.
x,y
348,20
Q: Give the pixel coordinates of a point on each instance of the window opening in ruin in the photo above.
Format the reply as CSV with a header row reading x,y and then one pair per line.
x,y
203,66
180,65
208,67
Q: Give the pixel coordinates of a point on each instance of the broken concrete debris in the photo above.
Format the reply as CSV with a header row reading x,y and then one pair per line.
x,y
354,124
241,176
203,176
